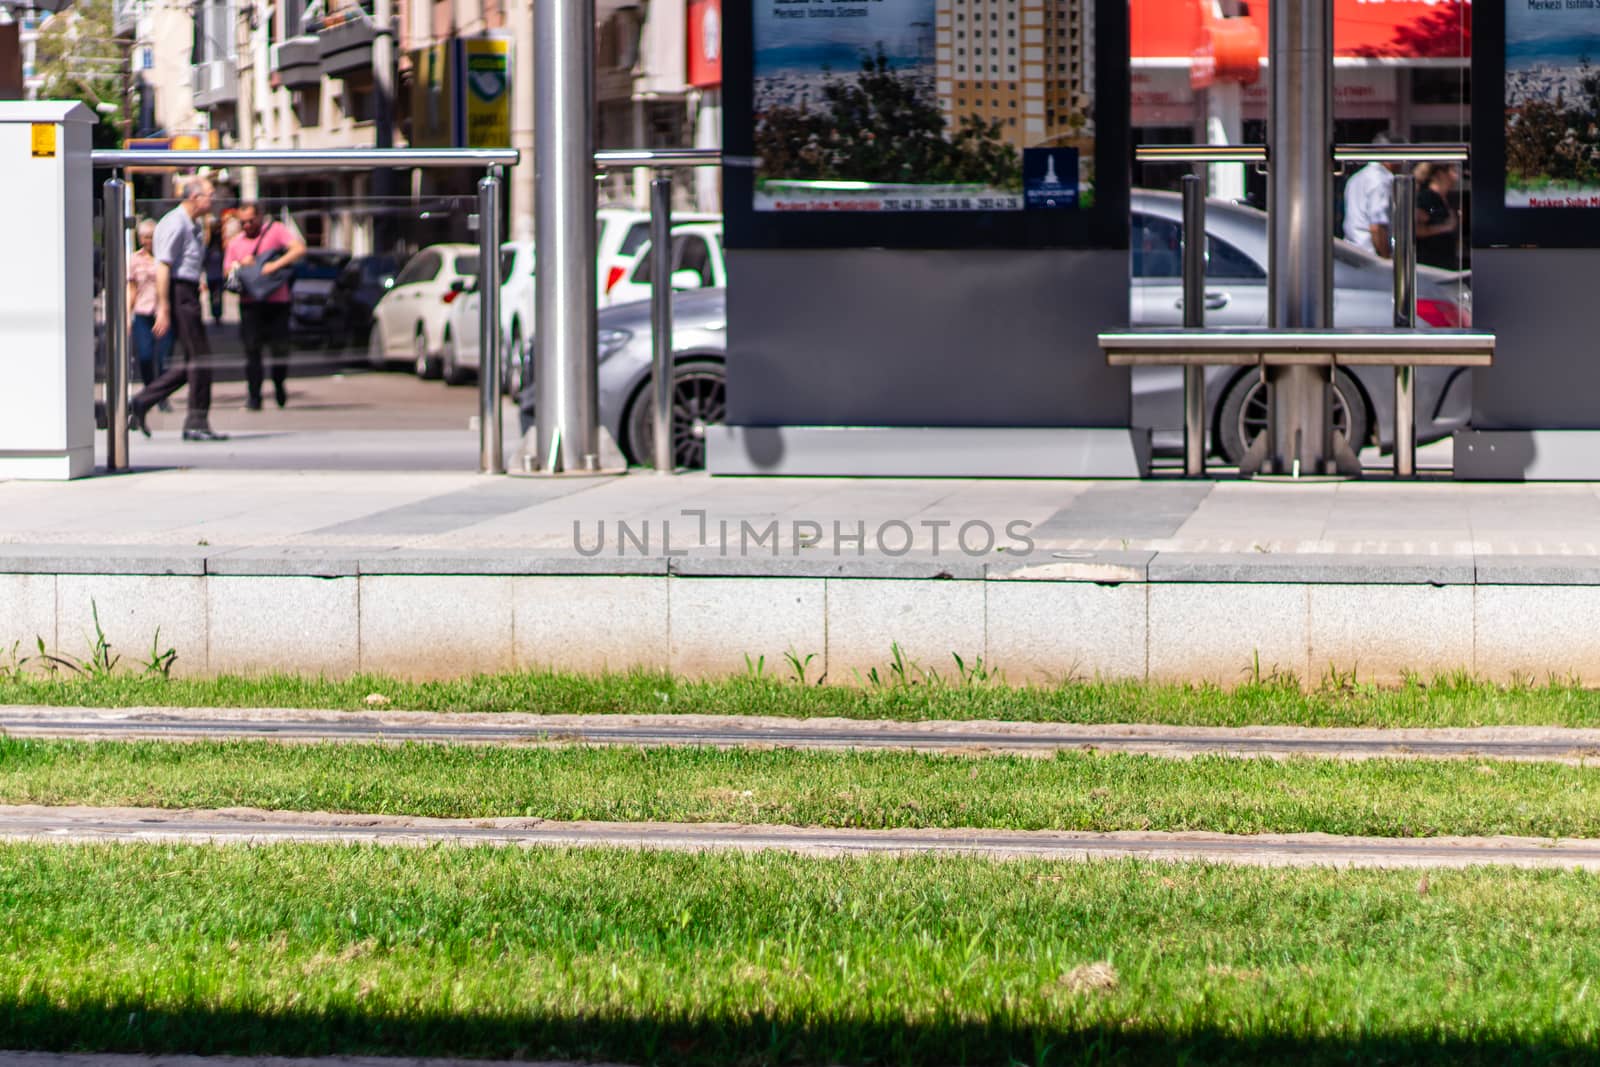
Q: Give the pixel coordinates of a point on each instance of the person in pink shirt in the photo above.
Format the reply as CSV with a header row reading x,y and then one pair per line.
x,y
150,351
264,323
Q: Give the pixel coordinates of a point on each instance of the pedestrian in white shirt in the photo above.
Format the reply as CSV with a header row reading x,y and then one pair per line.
x,y
1368,204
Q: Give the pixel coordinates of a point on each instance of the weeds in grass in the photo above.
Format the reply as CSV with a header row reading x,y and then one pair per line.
x,y
1274,678
98,668
798,666
161,660
755,668
11,672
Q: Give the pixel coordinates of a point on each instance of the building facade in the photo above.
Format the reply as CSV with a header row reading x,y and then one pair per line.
x,y
1021,65
301,74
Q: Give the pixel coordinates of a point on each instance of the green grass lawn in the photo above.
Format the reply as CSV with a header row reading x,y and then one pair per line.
x,y
908,695
1072,791
768,959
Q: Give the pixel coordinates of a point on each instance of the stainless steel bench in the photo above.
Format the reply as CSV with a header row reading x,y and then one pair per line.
x,y
1403,349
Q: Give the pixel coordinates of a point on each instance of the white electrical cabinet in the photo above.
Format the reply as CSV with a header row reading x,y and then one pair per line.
x,y
47,309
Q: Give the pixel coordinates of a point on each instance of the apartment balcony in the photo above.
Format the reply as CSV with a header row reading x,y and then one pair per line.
x,y
216,84
297,63
125,19
345,39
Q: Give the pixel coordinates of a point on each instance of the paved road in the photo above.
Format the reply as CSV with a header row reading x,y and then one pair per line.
x,y
249,826
1042,739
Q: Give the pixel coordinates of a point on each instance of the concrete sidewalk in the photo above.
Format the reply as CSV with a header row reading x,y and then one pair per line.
x,y
430,573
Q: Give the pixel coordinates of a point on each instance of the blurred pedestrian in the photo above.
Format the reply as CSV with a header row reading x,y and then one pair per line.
x,y
179,249
1438,224
264,315
150,352
216,273
1369,203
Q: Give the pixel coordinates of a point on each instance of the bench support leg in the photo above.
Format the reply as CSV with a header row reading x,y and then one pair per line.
x,y
1405,422
1194,422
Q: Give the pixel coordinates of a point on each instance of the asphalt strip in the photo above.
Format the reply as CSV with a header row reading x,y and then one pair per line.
x,y
249,826
1547,744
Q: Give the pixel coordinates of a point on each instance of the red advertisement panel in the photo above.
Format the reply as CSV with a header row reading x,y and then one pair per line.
x,y
705,43
1425,29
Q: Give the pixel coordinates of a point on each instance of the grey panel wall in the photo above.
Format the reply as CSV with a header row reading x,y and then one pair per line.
x,y
872,337
1542,306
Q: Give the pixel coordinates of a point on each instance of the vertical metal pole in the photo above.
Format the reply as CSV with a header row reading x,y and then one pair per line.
x,y
1301,224
567,404
661,320
491,450
1194,318
1404,218
385,182
115,238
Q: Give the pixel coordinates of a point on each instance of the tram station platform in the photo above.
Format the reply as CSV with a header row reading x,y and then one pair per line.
x,y
429,573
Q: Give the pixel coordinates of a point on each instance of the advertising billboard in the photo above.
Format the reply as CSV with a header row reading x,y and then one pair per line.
x,y
461,94
705,43
1552,105
433,104
486,74
924,105
1535,167
926,123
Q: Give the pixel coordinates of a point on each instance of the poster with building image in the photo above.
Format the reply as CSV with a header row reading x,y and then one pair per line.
x,y
1552,104
924,105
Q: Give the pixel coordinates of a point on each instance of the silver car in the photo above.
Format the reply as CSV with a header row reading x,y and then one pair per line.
x,y
699,400
1236,295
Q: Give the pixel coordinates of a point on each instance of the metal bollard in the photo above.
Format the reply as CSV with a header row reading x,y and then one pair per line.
x,y
1404,219
665,455
1194,317
491,450
115,239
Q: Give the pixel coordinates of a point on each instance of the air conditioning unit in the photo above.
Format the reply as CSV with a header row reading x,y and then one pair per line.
x,y
272,56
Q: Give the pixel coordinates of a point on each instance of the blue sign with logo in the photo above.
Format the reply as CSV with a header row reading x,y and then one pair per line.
x,y
1050,178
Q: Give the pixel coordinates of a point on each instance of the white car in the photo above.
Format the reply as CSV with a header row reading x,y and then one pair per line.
x,y
409,320
621,233
698,262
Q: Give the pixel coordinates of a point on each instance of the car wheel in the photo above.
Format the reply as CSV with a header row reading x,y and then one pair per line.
x,y
422,360
699,401
1243,414
377,358
454,373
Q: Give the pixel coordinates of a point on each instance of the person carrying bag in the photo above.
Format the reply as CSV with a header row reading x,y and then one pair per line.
x,y
259,264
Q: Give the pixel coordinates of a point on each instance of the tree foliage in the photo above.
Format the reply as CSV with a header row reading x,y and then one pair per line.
x,y
79,58
1557,142
881,126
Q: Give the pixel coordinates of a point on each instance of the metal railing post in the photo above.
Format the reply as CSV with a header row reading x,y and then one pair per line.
x,y
1404,226
1194,317
491,448
666,459
566,410
115,240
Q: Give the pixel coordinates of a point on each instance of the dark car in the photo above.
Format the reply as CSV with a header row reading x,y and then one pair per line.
x,y
317,315
362,284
